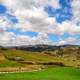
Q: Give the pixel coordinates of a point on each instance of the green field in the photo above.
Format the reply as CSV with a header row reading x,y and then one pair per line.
x,y
48,72
66,73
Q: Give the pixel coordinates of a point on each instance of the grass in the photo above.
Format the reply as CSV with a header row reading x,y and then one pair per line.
x,y
66,73
7,63
28,56
32,56
25,55
58,73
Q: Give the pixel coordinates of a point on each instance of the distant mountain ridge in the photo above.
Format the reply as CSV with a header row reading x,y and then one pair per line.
x,y
42,47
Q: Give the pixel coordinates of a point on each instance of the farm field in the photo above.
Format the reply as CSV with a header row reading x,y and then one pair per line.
x,y
63,73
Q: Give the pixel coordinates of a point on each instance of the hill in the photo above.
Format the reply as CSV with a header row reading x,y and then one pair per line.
x,y
64,55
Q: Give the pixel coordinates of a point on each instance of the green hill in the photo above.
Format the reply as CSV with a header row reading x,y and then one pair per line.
x,y
54,55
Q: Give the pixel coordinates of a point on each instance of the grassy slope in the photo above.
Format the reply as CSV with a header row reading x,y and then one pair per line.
x,y
27,56
7,63
32,56
49,74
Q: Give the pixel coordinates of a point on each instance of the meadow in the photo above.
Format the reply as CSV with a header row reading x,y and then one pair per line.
x,y
10,58
59,73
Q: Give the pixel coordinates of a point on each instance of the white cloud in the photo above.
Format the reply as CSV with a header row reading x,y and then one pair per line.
x,y
32,17
69,27
22,40
36,20
42,38
69,40
7,38
11,39
76,11
4,23
27,4
54,3
26,40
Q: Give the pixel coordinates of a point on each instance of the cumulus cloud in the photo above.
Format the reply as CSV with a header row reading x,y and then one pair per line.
x,y
42,38
27,4
32,17
22,40
53,3
4,23
76,10
10,39
27,40
69,27
7,38
69,40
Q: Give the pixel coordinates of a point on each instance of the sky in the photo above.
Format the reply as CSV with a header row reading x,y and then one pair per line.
x,y
32,22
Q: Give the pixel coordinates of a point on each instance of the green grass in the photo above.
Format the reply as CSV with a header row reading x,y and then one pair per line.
x,y
58,73
7,63
29,56
49,74
25,55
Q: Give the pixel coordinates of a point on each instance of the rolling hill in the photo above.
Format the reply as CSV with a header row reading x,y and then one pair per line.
x,y
66,55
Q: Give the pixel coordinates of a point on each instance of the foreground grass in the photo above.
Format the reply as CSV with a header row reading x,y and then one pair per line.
x,y
49,74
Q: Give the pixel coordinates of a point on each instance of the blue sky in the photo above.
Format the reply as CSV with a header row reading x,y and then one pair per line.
x,y
62,14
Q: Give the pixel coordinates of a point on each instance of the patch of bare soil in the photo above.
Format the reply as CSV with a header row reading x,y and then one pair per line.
x,y
19,69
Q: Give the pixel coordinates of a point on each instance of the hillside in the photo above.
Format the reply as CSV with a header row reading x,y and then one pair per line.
x,y
65,55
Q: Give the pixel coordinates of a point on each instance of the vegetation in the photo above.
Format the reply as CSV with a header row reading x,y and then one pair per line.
x,y
49,60
48,74
68,56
